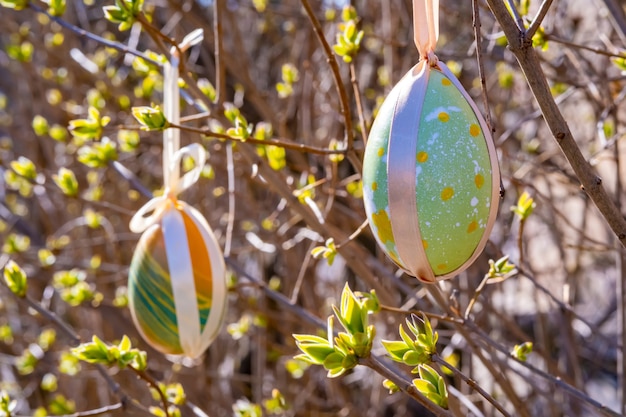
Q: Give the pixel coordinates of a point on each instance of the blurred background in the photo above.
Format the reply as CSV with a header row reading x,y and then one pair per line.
x,y
264,204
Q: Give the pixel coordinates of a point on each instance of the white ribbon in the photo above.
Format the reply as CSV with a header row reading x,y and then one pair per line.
x,y
166,211
152,211
426,28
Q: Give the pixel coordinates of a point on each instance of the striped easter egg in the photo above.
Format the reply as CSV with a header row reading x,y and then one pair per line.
x,y
176,286
430,175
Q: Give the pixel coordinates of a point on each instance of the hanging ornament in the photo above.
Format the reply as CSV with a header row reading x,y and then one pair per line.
x,y
176,286
430,173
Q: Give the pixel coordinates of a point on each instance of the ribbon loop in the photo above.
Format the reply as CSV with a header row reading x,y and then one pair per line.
x,y
426,28
152,211
198,154
148,214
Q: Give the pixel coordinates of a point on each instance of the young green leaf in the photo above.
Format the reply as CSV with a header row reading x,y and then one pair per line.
x,y
521,352
525,206
432,385
15,278
66,181
150,118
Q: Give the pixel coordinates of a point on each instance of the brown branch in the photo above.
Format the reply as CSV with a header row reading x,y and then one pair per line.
x,y
95,412
220,72
553,38
405,385
541,14
359,104
530,64
479,60
282,143
155,385
471,383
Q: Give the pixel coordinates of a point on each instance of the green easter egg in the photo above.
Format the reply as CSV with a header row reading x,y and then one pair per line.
x,y
454,176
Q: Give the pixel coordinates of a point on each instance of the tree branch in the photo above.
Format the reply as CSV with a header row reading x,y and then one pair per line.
x,y
529,62
541,14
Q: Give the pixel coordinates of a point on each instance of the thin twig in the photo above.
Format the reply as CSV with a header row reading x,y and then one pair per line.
x,y
553,38
230,225
538,19
354,234
341,90
479,60
406,386
282,143
95,412
477,292
519,22
220,72
155,385
520,242
431,316
82,32
471,383
359,105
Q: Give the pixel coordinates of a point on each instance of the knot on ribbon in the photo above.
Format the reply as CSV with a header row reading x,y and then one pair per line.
x,y
431,58
153,210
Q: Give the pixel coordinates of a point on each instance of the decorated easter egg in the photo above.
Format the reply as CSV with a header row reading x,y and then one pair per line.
x,y
430,175
176,286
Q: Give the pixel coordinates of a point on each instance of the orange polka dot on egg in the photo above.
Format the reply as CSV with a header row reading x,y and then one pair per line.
x,y
447,193
474,130
381,151
424,244
444,117
445,82
442,267
479,180
374,186
422,157
472,226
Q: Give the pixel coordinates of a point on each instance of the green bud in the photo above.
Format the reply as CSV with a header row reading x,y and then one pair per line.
x,y
15,278
40,125
66,181
25,168
14,4
150,118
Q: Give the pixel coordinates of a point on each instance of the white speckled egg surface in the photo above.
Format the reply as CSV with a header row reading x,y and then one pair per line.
x,y
453,176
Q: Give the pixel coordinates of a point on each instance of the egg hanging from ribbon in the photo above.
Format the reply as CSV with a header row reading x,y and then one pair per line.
x,y
176,286
430,175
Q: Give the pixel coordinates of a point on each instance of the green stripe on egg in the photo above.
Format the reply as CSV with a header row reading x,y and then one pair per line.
x,y
151,298
375,191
